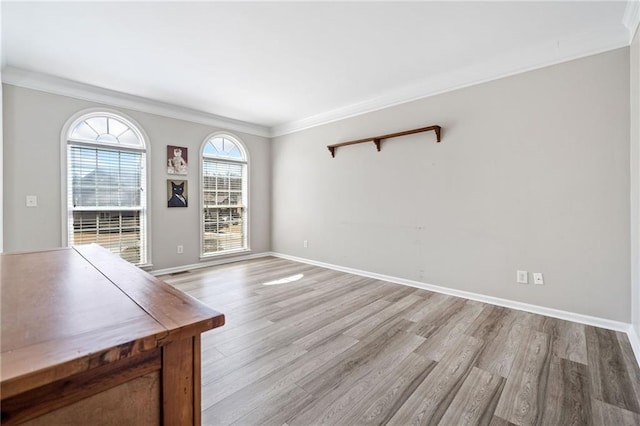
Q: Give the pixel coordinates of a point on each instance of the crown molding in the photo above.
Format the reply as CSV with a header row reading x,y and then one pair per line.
x,y
60,86
631,18
505,65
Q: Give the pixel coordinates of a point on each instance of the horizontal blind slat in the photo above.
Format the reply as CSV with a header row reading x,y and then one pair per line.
x,y
106,199
224,213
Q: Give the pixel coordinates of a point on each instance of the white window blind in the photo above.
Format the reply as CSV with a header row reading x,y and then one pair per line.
x,y
224,216
106,188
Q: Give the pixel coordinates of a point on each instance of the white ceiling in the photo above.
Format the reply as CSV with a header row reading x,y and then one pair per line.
x,y
291,65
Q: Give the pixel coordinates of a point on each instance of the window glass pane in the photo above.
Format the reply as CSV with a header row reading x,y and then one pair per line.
x,y
99,124
235,152
118,231
106,188
116,127
230,149
107,138
218,145
107,130
224,213
209,149
223,148
129,138
105,178
84,132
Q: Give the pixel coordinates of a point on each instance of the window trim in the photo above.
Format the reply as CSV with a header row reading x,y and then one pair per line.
x,y
69,125
246,162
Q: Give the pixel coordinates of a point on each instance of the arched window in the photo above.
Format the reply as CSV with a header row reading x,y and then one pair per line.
x,y
224,196
107,185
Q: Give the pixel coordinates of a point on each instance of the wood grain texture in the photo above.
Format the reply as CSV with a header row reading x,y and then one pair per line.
x,y
572,342
197,379
500,352
607,414
337,349
79,322
609,374
335,392
89,308
389,393
476,400
521,399
266,390
428,403
440,340
567,400
136,402
178,395
173,309
79,327
71,389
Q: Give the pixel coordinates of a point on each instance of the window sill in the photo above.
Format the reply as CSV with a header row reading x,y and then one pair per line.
x,y
204,257
146,266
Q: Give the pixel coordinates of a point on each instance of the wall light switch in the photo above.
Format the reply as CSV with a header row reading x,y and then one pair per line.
x,y
32,201
522,277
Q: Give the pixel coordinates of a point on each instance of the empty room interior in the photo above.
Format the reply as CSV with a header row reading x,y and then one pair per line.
x,y
305,213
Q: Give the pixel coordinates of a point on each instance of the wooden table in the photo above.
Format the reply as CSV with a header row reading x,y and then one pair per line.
x,y
87,338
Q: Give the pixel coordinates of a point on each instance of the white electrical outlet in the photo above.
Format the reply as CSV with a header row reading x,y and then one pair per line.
x,y
180,249
522,277
537,278
32,201
305,244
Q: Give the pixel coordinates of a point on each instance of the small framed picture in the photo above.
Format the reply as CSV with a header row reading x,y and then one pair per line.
x,y
177,193
176,160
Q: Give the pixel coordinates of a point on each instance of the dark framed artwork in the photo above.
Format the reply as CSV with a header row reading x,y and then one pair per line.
x,y
177,194
176,160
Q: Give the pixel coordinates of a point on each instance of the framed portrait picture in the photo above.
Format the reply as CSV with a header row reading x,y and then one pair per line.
x,y
176,160
177,194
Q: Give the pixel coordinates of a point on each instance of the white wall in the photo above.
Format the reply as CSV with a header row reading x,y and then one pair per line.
x,y
33,122
532,173
1,169
635,184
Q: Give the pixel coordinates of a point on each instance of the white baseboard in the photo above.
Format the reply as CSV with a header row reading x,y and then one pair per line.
x,y
536,309
632,333
634,339
220,261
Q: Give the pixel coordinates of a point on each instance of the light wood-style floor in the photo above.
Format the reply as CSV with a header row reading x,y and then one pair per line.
x,y
335,348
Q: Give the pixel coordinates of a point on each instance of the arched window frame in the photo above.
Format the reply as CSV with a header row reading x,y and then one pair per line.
x,y
244,161
144,147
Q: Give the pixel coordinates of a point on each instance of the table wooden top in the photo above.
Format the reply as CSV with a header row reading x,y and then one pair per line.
x,y
68,310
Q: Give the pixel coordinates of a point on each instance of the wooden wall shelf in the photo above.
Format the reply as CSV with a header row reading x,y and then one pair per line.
x,y
377,139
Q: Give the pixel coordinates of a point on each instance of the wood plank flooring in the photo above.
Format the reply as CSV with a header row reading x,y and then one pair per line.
x,y
339,349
